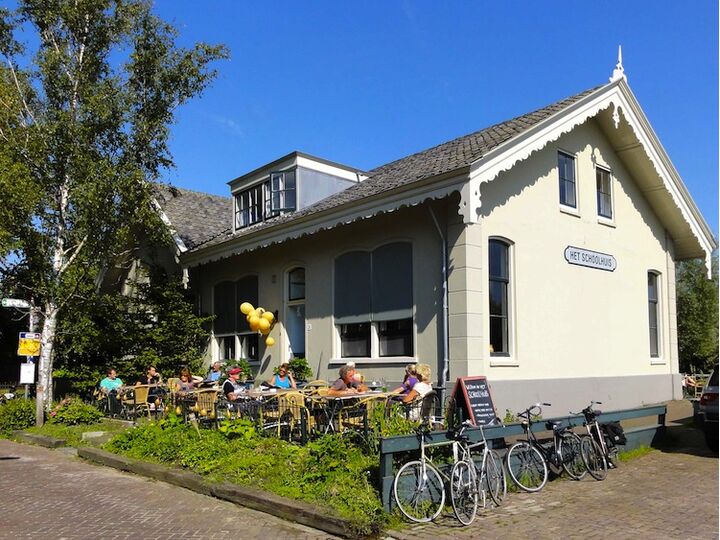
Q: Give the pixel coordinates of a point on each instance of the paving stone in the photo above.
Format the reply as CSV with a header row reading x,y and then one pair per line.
x,y
48,494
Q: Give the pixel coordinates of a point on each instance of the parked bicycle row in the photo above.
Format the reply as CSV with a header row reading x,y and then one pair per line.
x,y
477,475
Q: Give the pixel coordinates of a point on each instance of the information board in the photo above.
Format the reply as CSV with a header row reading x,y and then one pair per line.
x,y
27,373
472,395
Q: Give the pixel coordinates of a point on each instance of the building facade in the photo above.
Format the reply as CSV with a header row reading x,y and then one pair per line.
x,y
539,252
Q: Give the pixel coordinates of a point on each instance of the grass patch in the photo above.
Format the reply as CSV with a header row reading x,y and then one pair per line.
x,y
635,453
73,434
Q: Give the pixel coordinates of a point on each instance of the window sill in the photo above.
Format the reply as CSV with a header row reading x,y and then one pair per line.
x,y
503,361
657,362
607,222
370,361
569,210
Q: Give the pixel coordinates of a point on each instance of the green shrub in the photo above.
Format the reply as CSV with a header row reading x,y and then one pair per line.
x,y
72,411
329,472
16,414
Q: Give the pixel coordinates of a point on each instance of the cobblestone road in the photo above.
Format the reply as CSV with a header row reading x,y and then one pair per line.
x,y
47,494
665,494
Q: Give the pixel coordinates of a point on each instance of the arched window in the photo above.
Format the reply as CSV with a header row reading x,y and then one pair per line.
x,y
498,293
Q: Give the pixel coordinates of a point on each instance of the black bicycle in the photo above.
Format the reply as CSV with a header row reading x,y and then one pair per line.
x,y
598,450
527,461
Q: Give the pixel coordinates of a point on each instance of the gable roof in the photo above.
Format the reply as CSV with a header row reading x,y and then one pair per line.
x,y
445,158
460,165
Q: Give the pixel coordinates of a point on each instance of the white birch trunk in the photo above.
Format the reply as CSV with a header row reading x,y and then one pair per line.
x,y
44,385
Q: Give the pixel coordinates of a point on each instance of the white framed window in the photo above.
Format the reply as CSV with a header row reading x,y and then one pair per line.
x,y
373,305
249,206
603,183
232,337
295,312
653,281
283,191
499,297
567,180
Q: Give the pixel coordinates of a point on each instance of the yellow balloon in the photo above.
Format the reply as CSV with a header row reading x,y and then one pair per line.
x,y
264,325
269,341
268,315
253,313
246,307
260,311
254,323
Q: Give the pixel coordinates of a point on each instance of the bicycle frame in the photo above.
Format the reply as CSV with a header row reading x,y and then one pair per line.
x,y
551,455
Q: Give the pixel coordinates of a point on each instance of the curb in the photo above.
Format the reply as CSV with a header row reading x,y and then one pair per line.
x,y
40,440
289,509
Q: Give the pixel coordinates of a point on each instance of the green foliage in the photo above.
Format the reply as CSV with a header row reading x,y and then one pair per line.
x,y
241,428
154,326
635,453
86,110
72,411
16,414
329,472
301,369
510,417
697,316
242,363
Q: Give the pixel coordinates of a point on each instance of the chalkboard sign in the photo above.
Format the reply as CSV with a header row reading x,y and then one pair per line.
x,y
472,395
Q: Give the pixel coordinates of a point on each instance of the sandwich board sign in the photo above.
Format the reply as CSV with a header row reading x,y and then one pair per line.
x,y
29,344
472,395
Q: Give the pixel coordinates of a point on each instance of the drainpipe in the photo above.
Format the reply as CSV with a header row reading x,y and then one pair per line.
x,y
445,376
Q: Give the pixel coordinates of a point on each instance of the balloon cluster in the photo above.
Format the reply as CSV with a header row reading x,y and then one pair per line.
x,y
259,320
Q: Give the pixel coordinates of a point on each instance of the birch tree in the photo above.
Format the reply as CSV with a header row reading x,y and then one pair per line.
x,y
87,122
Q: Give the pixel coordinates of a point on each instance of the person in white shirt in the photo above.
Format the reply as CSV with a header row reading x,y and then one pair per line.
x,y
422,388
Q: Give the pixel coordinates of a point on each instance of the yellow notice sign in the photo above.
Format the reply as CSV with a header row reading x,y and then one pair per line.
x,y
29,344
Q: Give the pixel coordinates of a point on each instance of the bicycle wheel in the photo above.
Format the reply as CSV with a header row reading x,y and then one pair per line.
x,y
593,458
527,467
570,450
494,481
419,491
464,492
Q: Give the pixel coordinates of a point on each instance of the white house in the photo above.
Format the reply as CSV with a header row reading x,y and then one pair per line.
x,y
539,252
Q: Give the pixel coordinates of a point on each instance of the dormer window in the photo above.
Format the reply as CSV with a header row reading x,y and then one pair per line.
x,y
287,185
263,201
248,206
282,192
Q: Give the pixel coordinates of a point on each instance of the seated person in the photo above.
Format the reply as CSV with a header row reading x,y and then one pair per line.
x,y
422,388
409,381
110,386
215,372
346,383
185,384
152,377
283,378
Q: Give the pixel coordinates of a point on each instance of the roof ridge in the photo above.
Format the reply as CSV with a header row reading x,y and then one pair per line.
x,y
178,188
476,133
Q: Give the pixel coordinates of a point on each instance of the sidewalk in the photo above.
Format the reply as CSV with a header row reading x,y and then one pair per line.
x,y
669,493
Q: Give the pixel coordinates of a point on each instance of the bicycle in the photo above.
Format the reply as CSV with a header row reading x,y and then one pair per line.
x,y
418,487
469,482
527,461
597,452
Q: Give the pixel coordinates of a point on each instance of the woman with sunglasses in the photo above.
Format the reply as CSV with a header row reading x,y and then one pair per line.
x,y
283,378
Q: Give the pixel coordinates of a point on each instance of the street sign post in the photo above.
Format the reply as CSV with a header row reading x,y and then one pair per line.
x,y
16,303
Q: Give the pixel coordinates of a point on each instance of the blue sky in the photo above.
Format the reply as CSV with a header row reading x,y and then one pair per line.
x,y
364,83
